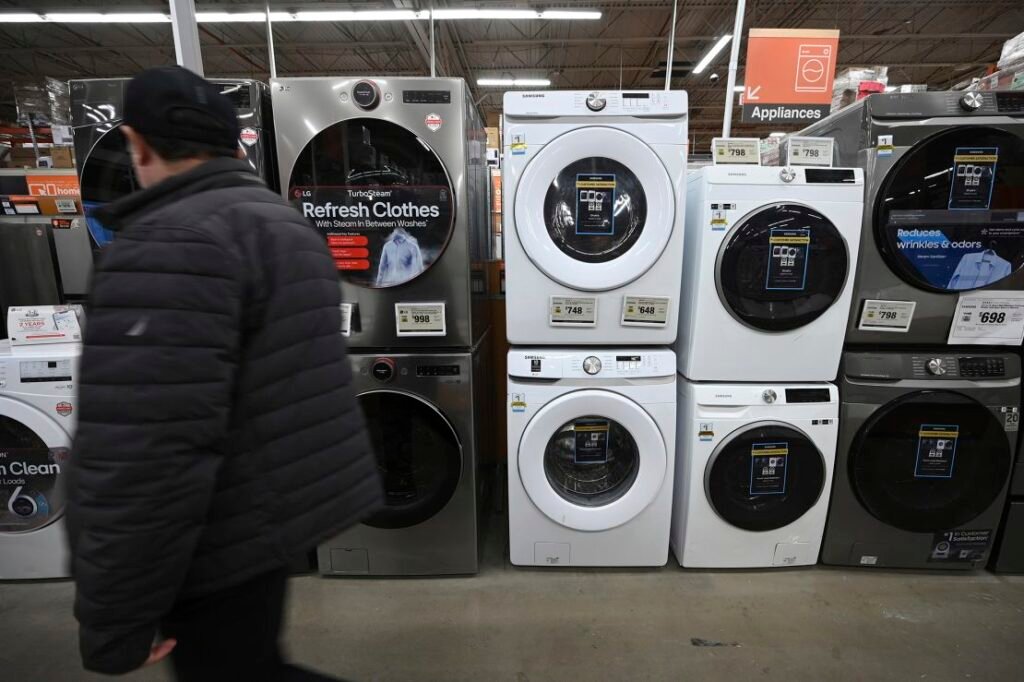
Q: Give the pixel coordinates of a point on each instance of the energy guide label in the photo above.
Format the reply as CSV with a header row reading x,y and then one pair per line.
x,y
645,311
573,311
887,316
420,319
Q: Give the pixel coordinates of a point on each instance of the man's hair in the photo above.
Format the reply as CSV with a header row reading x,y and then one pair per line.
x,y
176,150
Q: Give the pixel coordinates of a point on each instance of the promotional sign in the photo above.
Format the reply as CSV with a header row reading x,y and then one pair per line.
x,y
768,468
591,443
961,545
34,325
789,75
595,201
741,150
787,266
936,450
995,318
974,173
380,236
30,496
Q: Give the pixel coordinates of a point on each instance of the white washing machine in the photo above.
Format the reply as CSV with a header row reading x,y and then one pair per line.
x,y
37,419
593,210
754,473
770,256
591,443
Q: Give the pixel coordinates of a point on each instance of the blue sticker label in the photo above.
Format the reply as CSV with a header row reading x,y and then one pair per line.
x,y
595,204
936,450
789,253
768,465
974,173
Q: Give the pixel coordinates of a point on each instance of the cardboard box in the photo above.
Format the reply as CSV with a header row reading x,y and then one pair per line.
x,y
493,138
63,157
493,119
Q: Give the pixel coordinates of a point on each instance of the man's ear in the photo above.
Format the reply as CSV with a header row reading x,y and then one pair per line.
x,y
240,154
142,153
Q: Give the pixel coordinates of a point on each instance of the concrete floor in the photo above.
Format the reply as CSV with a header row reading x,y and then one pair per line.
x,y
528,625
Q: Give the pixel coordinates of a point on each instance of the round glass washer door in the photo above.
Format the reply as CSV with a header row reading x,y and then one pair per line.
x,y
36,450
948,216
930,461
419,457
781,267
595,209
764,476
381,197
592,460
107,175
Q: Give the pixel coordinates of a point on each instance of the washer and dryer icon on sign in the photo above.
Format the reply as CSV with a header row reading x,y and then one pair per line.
x,y
813,64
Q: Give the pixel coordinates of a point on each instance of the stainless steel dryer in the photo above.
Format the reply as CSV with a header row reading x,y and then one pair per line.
x,y
944,206
392,171
423,412
926,446
104,166
1009,552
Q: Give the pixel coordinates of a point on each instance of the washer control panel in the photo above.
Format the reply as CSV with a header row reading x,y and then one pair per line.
x,y
542,363
931,366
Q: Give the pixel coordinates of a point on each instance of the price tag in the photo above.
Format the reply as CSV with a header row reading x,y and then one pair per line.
x,y
887,316
727,150
346,318
810,151
572,311
420,319
645,311
995,318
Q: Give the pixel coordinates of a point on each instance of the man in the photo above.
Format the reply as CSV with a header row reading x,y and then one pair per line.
x,y
218,434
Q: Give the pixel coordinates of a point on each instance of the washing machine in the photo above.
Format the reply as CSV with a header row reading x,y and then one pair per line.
x,y
753,474
1008,556
593,213
423,412
37,421
104,164
768,272
926,445
944,200
591,443
393,173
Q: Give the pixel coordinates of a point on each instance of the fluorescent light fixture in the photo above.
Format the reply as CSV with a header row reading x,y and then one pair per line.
x,y
366,15
471,13
712,53
241,17
570,14
110,18
739,88
776,134
21,19
514,82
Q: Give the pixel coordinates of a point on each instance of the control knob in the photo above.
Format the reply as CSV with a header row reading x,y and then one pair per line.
x,y
595,102
972,101
383,369
936,366
787,174
592,365
366,95
769,396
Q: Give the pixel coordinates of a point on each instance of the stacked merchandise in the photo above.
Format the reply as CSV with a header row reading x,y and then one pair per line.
x,y
593,215
856,83
1010,67
392,173
930,395
766,291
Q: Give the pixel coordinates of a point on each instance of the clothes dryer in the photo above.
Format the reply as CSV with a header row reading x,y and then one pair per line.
x,y
926,446
768,268
423,412
753,474
944,207
591,443
393,172
593,214
38,410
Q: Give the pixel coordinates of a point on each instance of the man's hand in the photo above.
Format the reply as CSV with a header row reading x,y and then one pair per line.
x,y
160,651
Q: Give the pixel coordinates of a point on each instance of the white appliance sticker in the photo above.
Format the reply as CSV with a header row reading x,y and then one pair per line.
x,y
645,311
572,311
810,151
995,318
420,319
66,206
346,318
729,150
887,316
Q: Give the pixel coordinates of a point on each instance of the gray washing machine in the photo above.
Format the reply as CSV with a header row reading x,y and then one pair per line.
x,y
926,447
1009,553
423,411
104,166
393,173
944,206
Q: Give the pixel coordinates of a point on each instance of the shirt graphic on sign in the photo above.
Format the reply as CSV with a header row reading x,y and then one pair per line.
x,y
936,450
590,445
595,204
400,259
974,172
979,269
788,259
768,464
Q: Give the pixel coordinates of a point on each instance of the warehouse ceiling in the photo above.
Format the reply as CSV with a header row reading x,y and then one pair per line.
x,y
936,42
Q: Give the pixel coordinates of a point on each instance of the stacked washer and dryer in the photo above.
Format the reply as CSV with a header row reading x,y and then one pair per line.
x,y
593,213
930,399
770,254
392,171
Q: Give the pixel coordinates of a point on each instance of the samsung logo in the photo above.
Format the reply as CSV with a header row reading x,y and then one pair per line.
x,y
723,395
534,95
535,357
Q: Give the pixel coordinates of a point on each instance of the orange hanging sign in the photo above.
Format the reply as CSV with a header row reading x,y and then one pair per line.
x,y
789,75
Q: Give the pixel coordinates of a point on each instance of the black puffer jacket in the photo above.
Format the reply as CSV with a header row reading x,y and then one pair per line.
x,y
218,435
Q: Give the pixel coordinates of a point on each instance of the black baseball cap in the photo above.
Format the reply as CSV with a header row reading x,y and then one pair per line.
x,y
174,103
